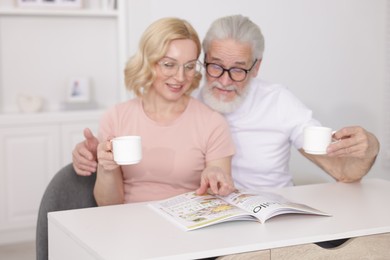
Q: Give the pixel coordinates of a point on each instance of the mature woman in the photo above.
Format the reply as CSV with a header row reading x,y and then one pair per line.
x,y
186,145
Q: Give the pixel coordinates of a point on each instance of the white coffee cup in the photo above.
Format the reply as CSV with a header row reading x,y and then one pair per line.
x,y
127,149
316,139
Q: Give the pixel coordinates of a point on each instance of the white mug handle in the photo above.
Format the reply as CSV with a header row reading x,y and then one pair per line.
x,y
334,140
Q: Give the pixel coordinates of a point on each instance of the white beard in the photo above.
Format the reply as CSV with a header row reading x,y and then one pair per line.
x,y
219,104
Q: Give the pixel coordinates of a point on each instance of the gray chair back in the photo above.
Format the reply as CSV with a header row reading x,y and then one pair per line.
x,y
66,191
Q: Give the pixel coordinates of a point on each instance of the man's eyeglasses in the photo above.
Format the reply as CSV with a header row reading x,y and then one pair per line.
x,y
236,74
170,68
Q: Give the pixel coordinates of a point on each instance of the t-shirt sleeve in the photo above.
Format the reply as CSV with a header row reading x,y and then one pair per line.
x,y
220,143
295,116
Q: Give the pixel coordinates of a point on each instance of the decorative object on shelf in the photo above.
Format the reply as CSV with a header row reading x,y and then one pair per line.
x,y
78,94
108,4
29,103
78,90
49,3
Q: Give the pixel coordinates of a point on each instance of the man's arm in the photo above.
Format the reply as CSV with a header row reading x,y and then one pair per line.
x,y
85,153
350,158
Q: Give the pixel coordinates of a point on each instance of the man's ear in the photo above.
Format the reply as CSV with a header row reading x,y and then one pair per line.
x,y
256,68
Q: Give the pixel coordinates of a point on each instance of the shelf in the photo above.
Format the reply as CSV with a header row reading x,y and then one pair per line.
x,y
11,119
58,13
97,53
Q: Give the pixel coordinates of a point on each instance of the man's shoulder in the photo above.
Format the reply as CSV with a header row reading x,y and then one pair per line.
x,y
261,89
263,86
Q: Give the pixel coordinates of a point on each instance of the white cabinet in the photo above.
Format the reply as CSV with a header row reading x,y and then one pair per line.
x,y
50,47
32,149
28,158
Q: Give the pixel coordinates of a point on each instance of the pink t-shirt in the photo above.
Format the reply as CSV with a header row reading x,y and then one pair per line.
x,y
173,156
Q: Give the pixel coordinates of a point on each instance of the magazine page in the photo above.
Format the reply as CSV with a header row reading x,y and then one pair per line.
x,y
266,205
191,211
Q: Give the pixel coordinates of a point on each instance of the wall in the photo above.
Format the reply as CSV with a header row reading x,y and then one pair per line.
x,y
331,54
51,48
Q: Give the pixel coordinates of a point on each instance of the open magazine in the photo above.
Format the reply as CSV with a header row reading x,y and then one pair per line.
x,y
191,211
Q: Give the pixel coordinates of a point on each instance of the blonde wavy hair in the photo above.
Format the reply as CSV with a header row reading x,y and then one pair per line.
x,y
140,71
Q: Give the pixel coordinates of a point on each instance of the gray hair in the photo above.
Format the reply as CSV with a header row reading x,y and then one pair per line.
x,y
239,28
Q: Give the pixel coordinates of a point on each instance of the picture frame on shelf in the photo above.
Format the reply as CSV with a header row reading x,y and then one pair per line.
x,y
108,5
49,3
78,90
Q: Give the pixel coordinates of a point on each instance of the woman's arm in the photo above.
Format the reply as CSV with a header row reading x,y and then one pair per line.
x,y
217,176
109,180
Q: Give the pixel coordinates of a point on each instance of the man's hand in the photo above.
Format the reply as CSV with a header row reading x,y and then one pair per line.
x,y
217,180
354,142
351,157
84,154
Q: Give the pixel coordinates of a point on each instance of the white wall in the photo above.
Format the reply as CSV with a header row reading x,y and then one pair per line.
x,y
34,60
40,51
331,54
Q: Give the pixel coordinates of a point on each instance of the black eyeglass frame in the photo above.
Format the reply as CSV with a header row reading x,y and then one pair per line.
x,y
223,70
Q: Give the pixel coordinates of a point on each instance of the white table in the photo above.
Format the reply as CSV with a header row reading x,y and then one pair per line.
x,y
134,231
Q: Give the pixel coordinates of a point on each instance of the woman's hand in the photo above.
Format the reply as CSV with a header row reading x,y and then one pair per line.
x,y
217,180
105,156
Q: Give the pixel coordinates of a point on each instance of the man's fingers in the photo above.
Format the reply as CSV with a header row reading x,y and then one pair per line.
x,y
88,134
85,154
83,165
83,173
355,145
91,142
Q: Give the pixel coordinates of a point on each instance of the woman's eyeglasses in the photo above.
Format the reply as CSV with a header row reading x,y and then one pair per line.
x,y
170,68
